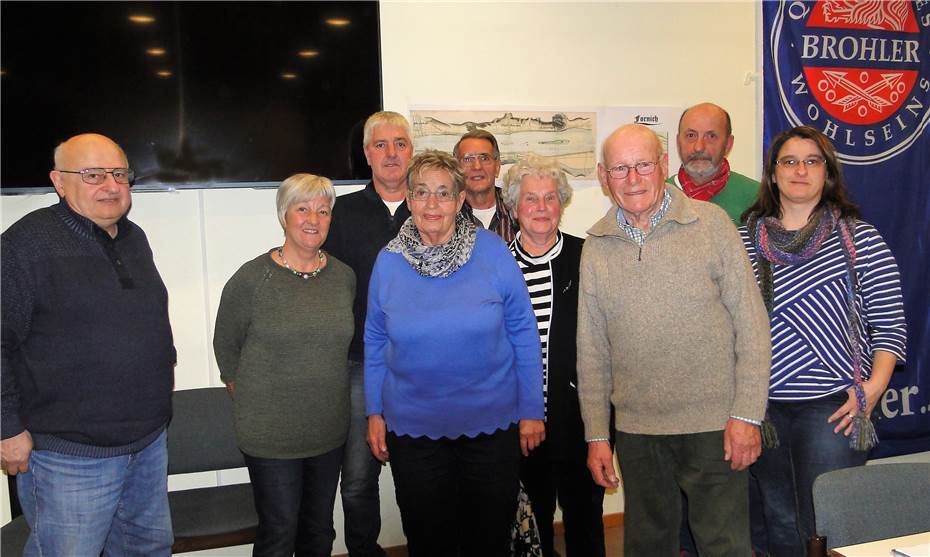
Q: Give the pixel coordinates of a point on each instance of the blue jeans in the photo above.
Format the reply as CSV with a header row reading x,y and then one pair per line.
x,y
807,448
361,503
294,499
82,507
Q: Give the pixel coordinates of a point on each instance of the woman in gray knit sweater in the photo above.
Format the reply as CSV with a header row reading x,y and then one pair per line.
x,y
282,336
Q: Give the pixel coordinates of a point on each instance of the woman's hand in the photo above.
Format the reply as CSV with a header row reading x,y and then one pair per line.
x,y
882,366
532,433
850,408
846,413
377,431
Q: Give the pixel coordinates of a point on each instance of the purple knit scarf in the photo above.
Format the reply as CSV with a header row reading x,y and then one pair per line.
x,y
777,246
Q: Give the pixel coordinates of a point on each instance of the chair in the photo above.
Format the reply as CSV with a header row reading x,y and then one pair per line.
x,y
201,438
868,503
13,537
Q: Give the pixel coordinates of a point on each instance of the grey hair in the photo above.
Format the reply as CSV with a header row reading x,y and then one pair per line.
x,y
534,165
432,159
478,133
300,188
385,118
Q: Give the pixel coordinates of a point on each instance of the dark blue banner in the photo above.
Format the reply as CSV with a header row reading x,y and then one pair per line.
x,y
859,71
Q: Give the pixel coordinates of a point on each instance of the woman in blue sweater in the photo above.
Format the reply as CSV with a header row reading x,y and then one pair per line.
x,y
834,298
453,370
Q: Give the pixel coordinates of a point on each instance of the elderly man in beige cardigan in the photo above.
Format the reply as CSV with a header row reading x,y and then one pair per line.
x,y
671,330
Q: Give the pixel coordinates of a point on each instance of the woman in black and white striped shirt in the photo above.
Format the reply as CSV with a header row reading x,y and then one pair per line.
x,y
536,191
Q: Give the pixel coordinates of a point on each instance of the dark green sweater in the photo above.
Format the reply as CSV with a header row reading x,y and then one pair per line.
x,y
284,340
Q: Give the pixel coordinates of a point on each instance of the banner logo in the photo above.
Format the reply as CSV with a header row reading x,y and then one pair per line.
x,y
858,70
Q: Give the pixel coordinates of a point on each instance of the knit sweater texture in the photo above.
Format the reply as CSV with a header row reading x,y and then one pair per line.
x,y
674,333
87,352
735,197
452,356
284,340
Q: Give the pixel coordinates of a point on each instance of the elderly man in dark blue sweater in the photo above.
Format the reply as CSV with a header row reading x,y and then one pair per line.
x,y
87,365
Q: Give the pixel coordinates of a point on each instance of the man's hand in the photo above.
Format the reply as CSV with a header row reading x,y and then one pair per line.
x,y
14,453
601,464
231,389
742,444
532,434
377,432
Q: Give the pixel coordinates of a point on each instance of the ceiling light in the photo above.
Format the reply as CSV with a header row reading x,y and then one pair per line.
x,y
308,53
163,73
141,19
288,75
155,51
338,21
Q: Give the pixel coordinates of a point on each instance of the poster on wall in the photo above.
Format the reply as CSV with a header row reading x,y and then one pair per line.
x,y
571,136
859,72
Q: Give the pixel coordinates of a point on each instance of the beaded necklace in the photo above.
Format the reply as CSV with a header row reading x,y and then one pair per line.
x,y
302,274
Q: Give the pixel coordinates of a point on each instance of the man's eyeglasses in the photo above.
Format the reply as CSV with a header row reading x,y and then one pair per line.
x,y
422,194
96,176
644,168
483,158
809,162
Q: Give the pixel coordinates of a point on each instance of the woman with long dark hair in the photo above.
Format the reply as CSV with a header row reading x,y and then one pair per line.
x,y
833,293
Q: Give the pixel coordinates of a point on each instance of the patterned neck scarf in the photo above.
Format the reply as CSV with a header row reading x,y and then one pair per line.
x,y
707,190
435,261
778,246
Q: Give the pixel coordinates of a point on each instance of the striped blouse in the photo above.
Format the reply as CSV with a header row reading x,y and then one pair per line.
x,y
537,271
811,353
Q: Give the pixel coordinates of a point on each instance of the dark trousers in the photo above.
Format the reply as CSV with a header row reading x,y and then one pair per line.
x,y
550,478
457,497
294,500
656,469
807,448
757,532
361,504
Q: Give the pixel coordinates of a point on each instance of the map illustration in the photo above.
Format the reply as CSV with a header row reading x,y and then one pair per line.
x,y
569,137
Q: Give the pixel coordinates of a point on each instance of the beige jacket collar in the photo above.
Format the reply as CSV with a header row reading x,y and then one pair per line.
x,y
681,210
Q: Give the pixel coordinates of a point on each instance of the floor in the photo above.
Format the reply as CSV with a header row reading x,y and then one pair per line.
x,y
612,534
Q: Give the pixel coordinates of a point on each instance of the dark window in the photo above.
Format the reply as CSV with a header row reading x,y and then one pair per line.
x,y
195,92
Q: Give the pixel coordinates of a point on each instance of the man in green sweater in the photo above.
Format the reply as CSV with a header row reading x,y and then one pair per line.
x,y
673,332
705,138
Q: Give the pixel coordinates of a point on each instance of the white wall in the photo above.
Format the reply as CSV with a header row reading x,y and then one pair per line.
x,y
465,54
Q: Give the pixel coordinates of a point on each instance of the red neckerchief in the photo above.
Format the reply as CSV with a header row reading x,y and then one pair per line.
x,y
707,190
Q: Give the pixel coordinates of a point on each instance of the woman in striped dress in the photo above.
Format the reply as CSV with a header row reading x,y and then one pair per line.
x,y
536,191
833,293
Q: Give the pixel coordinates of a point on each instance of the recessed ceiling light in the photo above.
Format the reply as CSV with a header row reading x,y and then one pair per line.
x,y
338,21
288,75
155,51
141,19
308,53
163,73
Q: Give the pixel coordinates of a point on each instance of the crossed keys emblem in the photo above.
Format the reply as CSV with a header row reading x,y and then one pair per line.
x,y
856,97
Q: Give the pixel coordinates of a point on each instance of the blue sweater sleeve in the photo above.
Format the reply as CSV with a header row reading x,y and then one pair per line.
x,y
376,342
523,332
